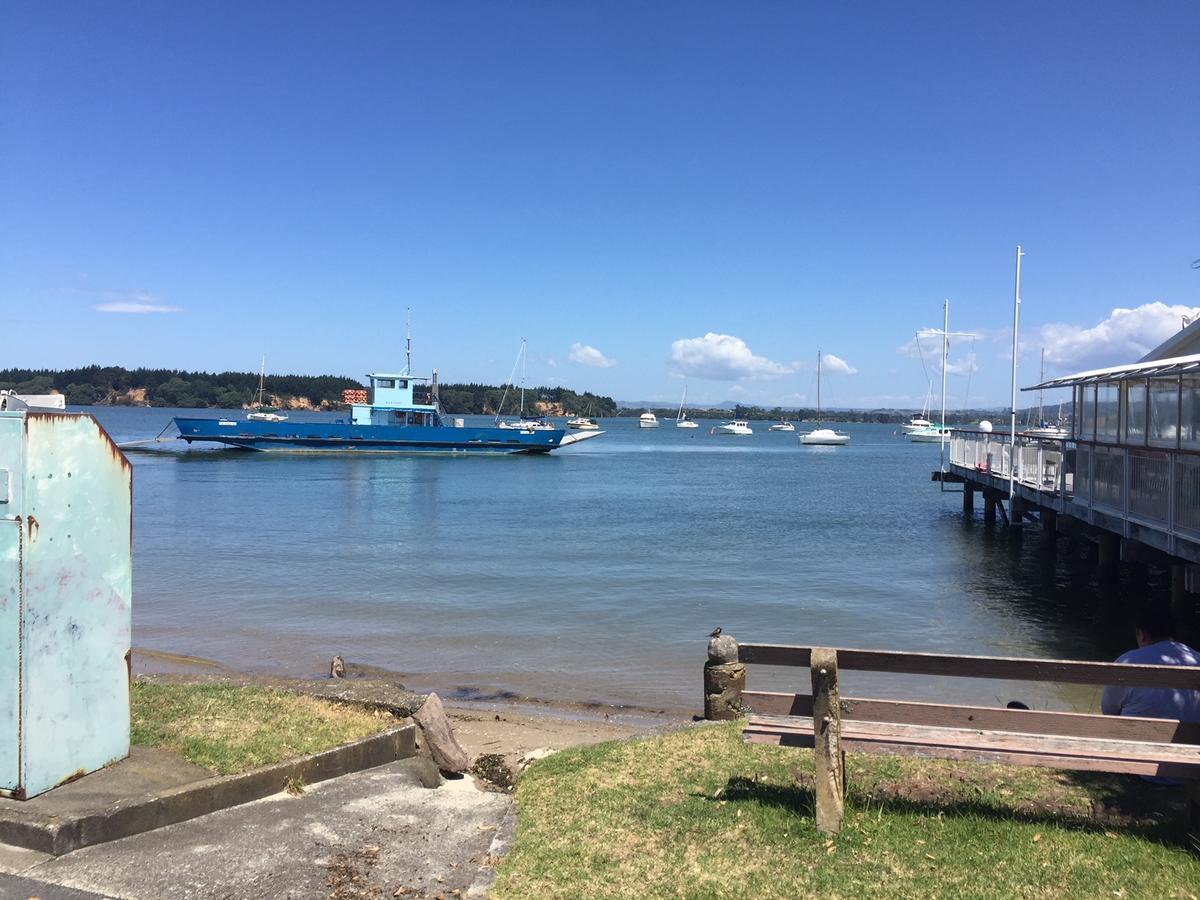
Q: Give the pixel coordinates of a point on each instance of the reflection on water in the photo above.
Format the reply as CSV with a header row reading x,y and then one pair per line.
x,y
595,573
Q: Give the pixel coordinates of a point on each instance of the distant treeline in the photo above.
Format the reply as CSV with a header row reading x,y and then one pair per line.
x,y
117,386
484,398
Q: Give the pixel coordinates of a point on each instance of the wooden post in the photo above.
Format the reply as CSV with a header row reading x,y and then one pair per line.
x,y
830,783
989,508
1192,798
1049,529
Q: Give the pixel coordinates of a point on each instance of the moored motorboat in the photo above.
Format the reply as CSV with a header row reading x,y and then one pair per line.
x,y
734,427
825,437
647,420
782,425
582,423
931,435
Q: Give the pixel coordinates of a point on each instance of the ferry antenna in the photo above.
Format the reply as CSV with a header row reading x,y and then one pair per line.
x,y
408,340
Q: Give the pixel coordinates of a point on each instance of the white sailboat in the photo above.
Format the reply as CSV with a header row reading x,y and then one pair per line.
x,y
1043,428
523,423
921,422
262,412
681,419
824,437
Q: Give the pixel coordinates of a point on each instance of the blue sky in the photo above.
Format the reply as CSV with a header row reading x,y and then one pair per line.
x,y
645,192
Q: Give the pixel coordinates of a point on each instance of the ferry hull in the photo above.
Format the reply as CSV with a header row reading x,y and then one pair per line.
x,y
337,437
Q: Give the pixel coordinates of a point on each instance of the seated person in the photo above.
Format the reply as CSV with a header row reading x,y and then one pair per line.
x,y
1154,631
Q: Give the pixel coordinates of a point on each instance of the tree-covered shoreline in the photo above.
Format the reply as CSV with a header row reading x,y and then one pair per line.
x,y
118,386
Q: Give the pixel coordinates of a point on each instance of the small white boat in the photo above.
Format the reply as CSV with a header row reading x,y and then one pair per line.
x,y
782,425
736,426
932,435
647,420
262,415
681,419
582,423
34,402
823,437
921,422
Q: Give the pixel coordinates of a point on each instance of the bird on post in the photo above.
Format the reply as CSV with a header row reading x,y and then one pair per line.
x,y
716,632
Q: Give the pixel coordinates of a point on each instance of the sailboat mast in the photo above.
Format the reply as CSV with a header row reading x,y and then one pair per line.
x,y
1041,393
945,359
262,377
1012,434
408,340
818,388
523,354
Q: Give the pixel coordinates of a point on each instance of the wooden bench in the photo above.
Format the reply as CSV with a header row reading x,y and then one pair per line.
x,y
1020,737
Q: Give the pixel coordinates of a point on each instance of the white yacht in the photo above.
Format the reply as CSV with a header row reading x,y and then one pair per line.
x,y
782,425
647,420
933,434
583,423
736,426
921,422
823,437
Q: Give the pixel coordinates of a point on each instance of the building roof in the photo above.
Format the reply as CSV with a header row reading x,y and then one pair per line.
x,y
1147,368
1183,342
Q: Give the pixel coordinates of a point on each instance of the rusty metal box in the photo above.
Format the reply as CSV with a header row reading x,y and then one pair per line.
x,y
65,598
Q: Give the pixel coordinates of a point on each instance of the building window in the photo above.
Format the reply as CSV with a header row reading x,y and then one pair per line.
x,y
1087,413
1164,412
1108,408
1189,413
1135,411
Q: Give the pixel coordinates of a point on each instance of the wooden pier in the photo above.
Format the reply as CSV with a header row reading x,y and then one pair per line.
x,y
1138,504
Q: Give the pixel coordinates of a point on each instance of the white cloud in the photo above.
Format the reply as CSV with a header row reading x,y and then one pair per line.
x,y
723,357
133,302
835,365
1124,336
589,356
127,307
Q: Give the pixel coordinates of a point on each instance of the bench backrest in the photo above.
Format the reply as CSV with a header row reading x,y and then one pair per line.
x,y
982,717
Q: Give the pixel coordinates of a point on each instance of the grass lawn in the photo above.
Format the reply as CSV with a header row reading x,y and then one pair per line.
x,y
233,729
698,813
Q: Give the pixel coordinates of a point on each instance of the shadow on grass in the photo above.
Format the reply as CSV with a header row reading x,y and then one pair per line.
x,y
1167,826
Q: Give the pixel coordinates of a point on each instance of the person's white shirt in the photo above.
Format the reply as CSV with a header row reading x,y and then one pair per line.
x,y
1155,703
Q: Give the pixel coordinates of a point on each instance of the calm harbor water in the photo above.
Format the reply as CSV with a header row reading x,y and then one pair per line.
x,y
593,574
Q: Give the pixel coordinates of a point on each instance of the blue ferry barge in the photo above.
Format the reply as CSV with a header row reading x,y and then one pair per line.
x,y
401,414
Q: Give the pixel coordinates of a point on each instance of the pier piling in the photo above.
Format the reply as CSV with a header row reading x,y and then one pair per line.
x,y
968,500
1110,553
989,509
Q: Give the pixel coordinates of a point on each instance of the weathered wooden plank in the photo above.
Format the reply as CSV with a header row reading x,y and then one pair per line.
x,y
1003,667
1006,741
1123,728
829,784
1045,760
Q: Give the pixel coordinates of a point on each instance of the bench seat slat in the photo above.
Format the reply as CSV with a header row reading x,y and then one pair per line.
x,y
1043,760
998,741
1084,725
1008,668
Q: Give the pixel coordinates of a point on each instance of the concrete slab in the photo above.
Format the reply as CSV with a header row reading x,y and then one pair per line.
x,y
367,834
153,788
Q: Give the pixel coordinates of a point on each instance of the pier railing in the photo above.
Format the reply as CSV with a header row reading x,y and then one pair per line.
x,y
1141,492
1044,464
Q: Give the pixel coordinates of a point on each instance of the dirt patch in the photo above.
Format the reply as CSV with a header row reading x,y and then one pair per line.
x,y
349,876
